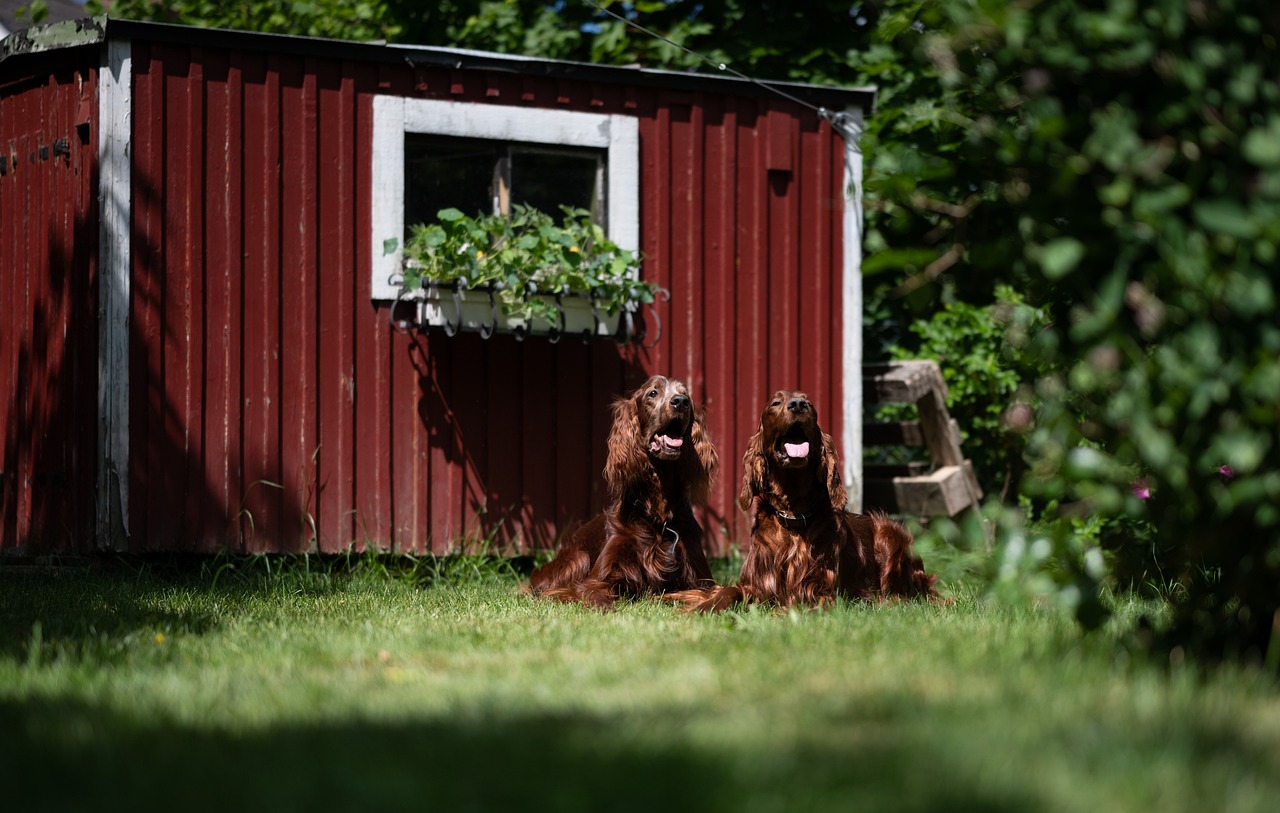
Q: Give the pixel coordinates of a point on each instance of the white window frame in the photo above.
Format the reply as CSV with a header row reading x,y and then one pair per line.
x,y
393,116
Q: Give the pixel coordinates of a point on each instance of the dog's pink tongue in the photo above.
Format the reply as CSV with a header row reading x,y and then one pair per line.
x,y
796,449
660,442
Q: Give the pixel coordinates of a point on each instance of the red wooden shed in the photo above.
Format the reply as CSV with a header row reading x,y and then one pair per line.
x,y
197,340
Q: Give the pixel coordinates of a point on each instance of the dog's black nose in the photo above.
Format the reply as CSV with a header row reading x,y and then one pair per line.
x,y
797,405
680,402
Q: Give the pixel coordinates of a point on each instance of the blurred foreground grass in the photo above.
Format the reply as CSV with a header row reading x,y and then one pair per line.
x,y
247,686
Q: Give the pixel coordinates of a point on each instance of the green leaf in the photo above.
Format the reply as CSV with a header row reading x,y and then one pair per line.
x,y
1058,257
434,236
1261,146
1225,216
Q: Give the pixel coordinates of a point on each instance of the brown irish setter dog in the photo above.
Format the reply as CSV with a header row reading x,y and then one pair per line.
x,y
660,465
805,548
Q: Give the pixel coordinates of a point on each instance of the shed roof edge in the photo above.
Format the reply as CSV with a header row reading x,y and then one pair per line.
x,y
91,30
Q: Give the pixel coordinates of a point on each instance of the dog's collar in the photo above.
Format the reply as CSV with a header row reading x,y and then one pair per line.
x,y
663,531
792,522
675,537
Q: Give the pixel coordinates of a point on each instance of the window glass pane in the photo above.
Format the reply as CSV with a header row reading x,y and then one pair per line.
x,y
548,180
444,172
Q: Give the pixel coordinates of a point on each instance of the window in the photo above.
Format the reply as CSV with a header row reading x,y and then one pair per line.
x,y
484,158
489,177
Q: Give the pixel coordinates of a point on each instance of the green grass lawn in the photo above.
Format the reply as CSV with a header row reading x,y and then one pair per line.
x,y
172,688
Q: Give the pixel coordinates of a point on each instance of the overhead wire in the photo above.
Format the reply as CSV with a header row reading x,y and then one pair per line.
x,y
841,122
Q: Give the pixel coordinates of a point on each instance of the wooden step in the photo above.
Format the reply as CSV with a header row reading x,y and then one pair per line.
x,y
944,487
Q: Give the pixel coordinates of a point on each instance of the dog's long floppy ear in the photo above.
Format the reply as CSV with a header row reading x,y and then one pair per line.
x,y
699,469
832,475
627,457
754,472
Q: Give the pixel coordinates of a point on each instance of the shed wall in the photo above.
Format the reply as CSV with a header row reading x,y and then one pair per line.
x,y
48,318
274,407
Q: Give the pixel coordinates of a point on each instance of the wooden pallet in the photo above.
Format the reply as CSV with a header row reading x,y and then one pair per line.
x,y
945,486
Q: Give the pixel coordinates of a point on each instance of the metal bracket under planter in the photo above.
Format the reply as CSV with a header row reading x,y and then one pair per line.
x,y
456,307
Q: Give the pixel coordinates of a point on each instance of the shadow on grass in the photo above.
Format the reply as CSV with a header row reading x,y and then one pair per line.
x,y
81,610
71,756
78,608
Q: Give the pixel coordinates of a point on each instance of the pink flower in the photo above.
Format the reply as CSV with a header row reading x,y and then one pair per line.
x,y
1226,472
1141,489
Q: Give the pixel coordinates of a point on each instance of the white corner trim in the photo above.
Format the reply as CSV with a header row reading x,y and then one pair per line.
x,y
394,116
852,309
115,121
388,194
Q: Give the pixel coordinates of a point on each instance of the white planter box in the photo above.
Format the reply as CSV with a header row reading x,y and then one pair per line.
x,y
438,308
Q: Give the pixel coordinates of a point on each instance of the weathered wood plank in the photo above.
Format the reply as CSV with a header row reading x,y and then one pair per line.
x,y
887,471
900,382
944,492
901,433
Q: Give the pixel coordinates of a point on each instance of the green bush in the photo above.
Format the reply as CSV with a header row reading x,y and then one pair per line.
x,y
988,380
1140,188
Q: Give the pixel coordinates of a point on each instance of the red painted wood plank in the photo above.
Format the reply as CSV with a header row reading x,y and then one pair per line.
x,y
187,313
719,324
538,441
784,345
170,443
755,310
836,193
408,462
441,444
85,315
298,127
655,233
684,210
413,391
146,419
237,482
221,153
372,326
17,329
608,381
814,273
10,336
572,446
504,451
470,412
261,297
34,372
335,383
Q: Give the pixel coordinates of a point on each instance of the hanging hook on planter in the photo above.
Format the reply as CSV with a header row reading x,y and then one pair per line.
x,y
596,321
451,328
487,329
556,329
396,280
402,326
665,296
522,331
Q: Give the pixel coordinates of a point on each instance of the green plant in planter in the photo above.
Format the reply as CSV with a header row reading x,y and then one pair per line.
x,y
527,258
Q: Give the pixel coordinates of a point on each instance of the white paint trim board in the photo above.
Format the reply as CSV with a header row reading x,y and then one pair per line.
x,y
115,123
393,116
851,292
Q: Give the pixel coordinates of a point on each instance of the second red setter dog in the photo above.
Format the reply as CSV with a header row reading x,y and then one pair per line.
x,y
805,548
660,465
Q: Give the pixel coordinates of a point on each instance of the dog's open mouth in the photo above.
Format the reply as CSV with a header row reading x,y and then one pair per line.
x,y
793,446
668,441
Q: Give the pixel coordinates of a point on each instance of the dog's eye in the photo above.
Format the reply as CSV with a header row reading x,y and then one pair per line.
x,y
653,393
776,403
